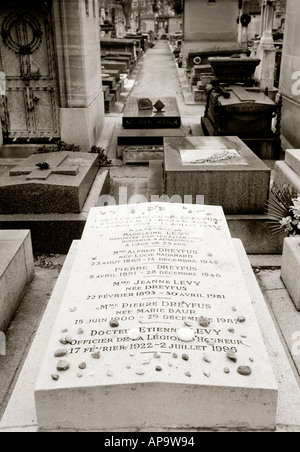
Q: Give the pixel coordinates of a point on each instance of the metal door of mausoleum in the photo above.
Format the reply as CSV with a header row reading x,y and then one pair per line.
x,y
30,106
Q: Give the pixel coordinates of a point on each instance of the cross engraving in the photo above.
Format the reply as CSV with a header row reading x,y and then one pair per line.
x,y
54,160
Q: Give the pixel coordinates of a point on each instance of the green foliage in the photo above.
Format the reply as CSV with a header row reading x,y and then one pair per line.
x,y
103,159
155,6
61,146
43,165
58,147
127,8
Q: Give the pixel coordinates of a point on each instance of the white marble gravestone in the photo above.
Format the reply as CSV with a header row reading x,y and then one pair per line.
x,y
156,328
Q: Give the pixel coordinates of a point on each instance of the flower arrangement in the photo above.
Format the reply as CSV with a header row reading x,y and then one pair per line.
x,y
284,210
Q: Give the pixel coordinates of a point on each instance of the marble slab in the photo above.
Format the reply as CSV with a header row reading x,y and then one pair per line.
x,y
16,272
156,328
227,173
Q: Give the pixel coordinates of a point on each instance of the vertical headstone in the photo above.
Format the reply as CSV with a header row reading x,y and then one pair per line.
x,y
156,328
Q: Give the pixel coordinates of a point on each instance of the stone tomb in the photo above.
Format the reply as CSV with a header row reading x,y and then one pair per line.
x,y
235,107
222,169
156,329
168,118
140,139
61,187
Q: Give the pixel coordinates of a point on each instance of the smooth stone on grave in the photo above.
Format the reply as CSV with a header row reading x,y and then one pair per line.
x,y
168,118
184,395
54,233
290,268
16,272
240,185
63,188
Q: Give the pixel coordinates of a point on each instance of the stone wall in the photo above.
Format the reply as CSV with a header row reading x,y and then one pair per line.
x,y
79,65
290,77
209,25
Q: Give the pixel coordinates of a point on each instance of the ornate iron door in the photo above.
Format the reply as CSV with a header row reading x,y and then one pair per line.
x,y
28,60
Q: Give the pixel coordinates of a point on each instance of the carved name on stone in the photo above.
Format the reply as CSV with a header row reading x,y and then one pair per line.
x,y
155,302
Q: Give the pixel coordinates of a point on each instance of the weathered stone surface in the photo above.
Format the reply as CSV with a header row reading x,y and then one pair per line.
x,y
62,188
169,118
240,184
154,267
16,272
288,171
292,159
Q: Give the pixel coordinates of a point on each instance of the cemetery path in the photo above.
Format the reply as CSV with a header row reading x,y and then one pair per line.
x,y
158,76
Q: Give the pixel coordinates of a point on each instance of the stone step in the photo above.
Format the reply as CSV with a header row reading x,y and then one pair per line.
x,y
121,59
120,54
116,65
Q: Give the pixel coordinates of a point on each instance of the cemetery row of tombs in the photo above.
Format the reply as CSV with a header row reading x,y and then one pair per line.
x,y
156,316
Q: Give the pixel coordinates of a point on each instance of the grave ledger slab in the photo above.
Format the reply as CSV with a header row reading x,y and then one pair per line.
x,y
60,186
156,328
16,272
167,118
222,169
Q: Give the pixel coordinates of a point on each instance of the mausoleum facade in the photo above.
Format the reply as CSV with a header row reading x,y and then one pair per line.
x,y
51,70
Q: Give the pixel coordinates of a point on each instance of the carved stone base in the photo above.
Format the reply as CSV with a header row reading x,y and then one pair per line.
x,y
83,126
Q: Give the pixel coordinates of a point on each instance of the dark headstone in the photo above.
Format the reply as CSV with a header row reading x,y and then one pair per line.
x,y
159,105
